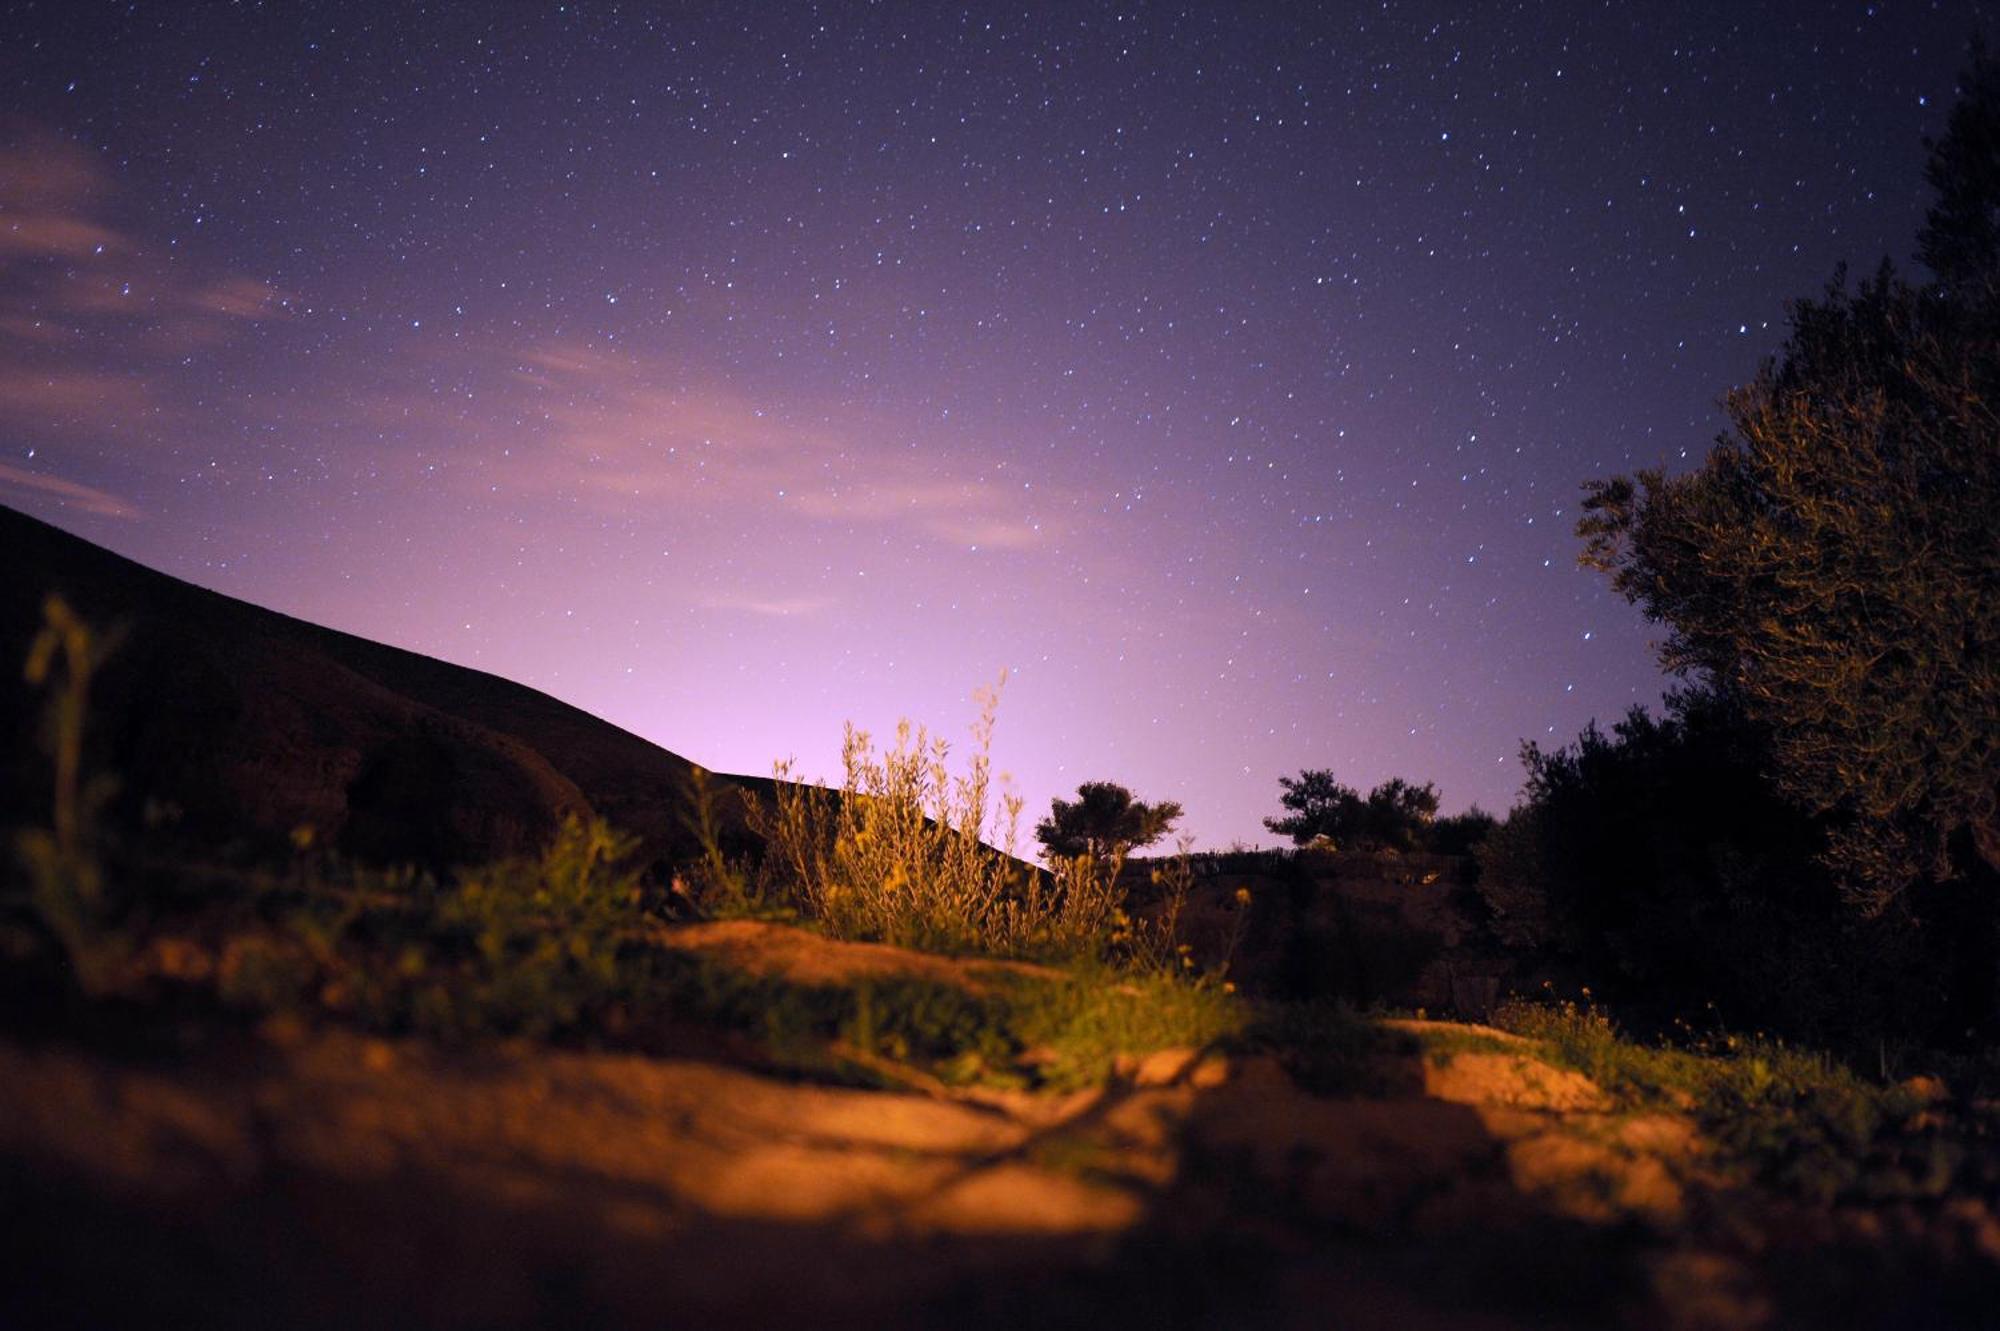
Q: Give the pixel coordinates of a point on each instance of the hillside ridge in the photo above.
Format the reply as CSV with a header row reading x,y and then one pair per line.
x,y
240,719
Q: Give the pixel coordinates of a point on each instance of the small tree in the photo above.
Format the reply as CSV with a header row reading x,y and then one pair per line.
x,y
1462,833
1399,815
1394,815
1320,807
1103,822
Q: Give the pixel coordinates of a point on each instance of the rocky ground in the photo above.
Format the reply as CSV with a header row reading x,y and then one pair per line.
x,y
313,1176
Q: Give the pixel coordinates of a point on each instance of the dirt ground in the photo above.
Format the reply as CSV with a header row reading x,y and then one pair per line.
x,y
318,1177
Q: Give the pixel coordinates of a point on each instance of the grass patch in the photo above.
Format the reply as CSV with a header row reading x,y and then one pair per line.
x,y
1021,1032
1079,1026
1586,1040
1326,1046
1794,1119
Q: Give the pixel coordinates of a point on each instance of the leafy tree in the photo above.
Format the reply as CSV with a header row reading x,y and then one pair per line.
x,y
1396,814
1399,815
1104,821
1658,856
1960,241
1461,833
1320,807
1835,562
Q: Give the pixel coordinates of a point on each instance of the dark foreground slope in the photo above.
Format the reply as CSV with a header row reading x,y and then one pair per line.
x,y
238,725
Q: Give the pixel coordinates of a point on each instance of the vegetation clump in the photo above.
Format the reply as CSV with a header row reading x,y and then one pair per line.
x,y
898,854
1104,821
66,883
1831,566
1392,816
1790,1117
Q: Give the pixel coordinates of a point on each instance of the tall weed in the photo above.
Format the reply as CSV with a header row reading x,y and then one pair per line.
x,y
899,853
717,885
65,874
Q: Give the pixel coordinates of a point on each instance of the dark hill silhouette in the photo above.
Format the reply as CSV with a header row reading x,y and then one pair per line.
x,y
246,724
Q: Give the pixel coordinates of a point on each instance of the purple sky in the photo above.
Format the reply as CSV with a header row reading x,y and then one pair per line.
x,y
738,370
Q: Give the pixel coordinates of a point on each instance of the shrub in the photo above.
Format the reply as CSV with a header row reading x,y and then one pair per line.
x,y
716,885
1794,1118
538,939
1661,856
897,854
1461,833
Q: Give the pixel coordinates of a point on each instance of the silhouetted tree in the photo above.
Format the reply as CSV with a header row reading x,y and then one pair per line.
x,y
1399,815
1461,833
1960,241
1660,859
1320,807
1836,559
1394,815
1104,820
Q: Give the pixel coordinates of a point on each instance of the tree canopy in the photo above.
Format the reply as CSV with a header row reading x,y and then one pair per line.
x,y
1394,815
1104,820
1835,561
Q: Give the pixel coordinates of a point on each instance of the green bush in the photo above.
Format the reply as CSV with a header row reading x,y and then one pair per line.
x,y
537,942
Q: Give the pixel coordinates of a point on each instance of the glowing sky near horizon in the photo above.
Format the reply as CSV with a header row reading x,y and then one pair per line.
x,y
1226,374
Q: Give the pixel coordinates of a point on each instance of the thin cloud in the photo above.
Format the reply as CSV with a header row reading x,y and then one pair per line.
x,y
63,265
967,513
70,494
780,608
592,423
48,188
71,397
243,298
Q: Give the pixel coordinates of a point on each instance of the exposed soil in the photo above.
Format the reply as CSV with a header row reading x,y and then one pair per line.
x,y
777,951
318,1177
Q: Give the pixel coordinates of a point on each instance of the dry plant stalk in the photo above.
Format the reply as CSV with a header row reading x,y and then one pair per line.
x,y
899,852
63,869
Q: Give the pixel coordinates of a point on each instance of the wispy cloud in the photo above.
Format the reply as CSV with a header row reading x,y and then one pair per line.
x,y
968,513
777,608
77,294
96,328
71,494
66,397
614,428
48,186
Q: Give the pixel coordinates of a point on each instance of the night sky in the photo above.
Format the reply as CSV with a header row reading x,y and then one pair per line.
x,y
1225,373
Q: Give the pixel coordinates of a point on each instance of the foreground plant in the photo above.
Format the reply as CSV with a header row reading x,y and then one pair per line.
x,y
65,875
899,853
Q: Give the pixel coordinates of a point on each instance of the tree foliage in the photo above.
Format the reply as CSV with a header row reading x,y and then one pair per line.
x,y
1658,856
1320,806
1461,833
1103,821
1395,815
1960,241
1835,561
